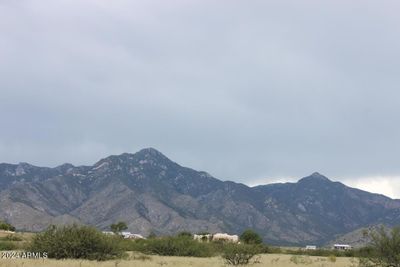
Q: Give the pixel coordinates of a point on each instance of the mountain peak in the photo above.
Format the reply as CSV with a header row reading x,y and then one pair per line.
x,y
144,155
316,176
151,153
149,150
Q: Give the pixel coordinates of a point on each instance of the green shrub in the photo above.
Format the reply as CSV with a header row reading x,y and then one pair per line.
x,y
118,227
172,246
179,246
349,253
332,258
13,238
365,252
7,245
239,254
250,237
77,242
384,249
298,259
6,226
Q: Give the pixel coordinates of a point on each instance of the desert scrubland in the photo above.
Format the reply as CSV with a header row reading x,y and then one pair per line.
x,y
139,260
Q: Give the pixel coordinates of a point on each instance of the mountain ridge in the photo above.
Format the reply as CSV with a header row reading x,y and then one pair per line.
x,y
155,194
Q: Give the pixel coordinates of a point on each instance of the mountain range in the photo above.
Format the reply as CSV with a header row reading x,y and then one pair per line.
x,y
151,193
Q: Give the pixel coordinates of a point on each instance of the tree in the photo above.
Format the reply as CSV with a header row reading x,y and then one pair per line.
x,y
6,226
250,237
118,227
77,242
239,254
384,249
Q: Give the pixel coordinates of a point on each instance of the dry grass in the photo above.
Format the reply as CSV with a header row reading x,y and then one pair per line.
x,y
23,238
275,260
4,233
25,235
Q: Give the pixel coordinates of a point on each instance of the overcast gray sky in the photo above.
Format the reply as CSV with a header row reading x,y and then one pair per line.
x,y
250,91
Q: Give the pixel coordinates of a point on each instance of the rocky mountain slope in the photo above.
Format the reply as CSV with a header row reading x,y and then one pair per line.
x,y
358,238
152,193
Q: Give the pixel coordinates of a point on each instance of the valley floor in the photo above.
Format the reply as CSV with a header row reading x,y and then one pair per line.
x,y
274,260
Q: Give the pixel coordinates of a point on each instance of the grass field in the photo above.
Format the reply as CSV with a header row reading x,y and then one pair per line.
x,y
24,235
275,260
23,238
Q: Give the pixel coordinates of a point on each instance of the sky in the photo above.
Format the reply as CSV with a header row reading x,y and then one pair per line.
x,y
250,91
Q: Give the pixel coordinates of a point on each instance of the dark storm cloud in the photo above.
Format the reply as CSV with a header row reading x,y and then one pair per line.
x,y
249,91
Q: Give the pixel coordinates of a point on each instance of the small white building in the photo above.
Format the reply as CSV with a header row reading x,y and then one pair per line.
x,y
129,235
311,247
108,233
342,247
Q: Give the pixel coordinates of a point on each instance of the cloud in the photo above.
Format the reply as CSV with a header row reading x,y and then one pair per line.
x,y
266,89
389,186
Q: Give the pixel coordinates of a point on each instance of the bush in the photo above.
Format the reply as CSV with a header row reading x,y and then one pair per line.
x,y
118,227
179,246
384,249
250,237
6,226
13,238
77,242
172,246
332,258
7,245
239,254
298,259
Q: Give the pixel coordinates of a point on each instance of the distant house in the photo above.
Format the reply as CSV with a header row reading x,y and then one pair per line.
x,y
129,235
311,247
126,235
342,247
108,233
